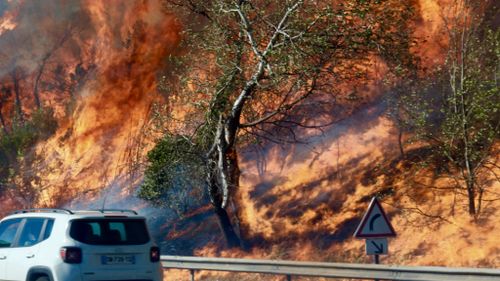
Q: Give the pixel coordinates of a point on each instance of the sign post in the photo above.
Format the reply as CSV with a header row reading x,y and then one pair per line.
x,y
375,227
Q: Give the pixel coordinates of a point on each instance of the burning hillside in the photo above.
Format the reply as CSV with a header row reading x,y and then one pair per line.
x,y
88,88
95,67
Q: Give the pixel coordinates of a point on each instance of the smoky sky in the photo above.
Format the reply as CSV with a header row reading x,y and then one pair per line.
x,y
3,7
40,29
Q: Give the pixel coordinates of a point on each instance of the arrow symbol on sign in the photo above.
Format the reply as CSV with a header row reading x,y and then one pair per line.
x,y
372,221
380,249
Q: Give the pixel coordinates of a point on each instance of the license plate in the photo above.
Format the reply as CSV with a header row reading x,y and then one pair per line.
x,y
118,259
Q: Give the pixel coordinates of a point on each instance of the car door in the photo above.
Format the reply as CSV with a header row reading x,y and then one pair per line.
x,y
22,254
8,231
3,257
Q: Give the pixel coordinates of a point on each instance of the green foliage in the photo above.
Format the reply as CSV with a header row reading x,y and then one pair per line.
x,y
24,134
173,173
22,137
457,111
457,115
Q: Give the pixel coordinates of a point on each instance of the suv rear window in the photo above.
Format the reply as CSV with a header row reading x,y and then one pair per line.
x,y
108,231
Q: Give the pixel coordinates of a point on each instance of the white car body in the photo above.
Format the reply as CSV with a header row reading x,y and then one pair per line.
x,y
30,258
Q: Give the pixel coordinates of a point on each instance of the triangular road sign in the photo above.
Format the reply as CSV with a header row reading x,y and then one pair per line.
x,y
374,223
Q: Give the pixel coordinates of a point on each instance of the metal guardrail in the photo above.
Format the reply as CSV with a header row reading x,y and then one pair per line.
x,y
331,270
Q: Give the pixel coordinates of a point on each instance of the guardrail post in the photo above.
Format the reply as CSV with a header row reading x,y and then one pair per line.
x,y
376,260
289,278
192,274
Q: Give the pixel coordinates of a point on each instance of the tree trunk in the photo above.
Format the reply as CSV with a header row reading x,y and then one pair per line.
x,y
227,228
471,196
36,96
17,94
400,142
224,220
2,121
479,200
234,176
215,194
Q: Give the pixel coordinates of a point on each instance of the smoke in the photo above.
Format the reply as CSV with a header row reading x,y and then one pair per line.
x,y
128,45
295,202
36,29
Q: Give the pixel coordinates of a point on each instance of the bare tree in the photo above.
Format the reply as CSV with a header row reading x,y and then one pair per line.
x,y
5,94
45,60
17,75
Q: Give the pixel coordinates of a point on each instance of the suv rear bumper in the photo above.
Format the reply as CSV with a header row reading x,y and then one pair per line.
x,y
125,275
67,272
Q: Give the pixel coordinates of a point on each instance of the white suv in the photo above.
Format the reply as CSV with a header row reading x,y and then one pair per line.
x,y
65,245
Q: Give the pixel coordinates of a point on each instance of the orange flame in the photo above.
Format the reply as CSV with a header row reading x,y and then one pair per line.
x,y
304,203
298,203
8,20
129,46
7,23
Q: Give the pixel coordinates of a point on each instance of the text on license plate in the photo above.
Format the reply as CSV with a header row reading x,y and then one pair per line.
x,y
118,259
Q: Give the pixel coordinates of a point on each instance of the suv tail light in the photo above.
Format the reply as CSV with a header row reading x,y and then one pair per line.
x,y
71,254
154,254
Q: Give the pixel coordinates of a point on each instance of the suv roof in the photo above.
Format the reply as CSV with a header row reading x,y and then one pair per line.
x,y
60,212
71,212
